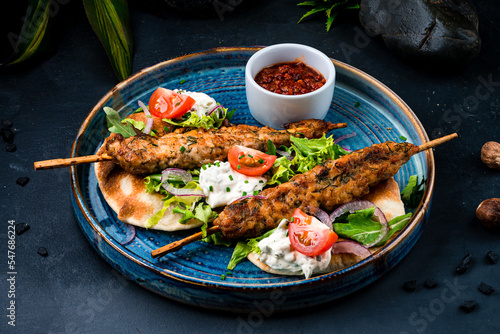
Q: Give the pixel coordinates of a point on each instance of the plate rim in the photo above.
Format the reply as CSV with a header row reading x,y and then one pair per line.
x,y
420,212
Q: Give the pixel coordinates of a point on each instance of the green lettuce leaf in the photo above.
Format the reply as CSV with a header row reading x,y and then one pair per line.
x,y
191,119
308,153
181,201
243,248
413,192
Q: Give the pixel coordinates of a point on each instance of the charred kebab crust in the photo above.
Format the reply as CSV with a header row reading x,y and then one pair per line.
x,y
327,185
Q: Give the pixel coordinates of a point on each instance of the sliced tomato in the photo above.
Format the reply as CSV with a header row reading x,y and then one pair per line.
x,y
165,103
308,235
248,161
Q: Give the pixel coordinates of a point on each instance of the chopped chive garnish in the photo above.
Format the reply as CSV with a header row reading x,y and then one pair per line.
x,y
246,181
223,277
255,193
217,164
241,156
250,156
211,188
261,181
230,177
239,166
228,189
357,104
166,128
204,167
292,219
182,81
244,193
261,160
403,138
183,149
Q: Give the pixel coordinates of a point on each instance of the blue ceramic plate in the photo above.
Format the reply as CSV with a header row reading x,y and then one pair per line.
x,y
193,274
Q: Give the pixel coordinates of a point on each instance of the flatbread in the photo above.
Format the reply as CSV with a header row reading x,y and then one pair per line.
x,y
385,195
126,194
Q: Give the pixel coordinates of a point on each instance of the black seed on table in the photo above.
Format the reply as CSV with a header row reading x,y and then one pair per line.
x,y
492,257
7,135
409,285
22,181
21,228
468,306
6,123
464,264
485,288
11,147
42,251
430,283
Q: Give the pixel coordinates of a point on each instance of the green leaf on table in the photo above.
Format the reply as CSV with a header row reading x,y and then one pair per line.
x,y
331,8
110,21
28,42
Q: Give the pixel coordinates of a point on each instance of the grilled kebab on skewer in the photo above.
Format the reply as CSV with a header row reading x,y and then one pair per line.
x,y
144,154
327,185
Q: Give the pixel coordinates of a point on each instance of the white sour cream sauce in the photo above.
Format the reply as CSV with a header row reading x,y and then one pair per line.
x,y
222,184
204,103
278,253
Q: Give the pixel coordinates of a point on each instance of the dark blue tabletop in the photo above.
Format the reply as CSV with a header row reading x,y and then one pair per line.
x,y
73,290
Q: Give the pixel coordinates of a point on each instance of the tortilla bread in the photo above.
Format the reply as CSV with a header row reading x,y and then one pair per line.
x,y
385,195
126,195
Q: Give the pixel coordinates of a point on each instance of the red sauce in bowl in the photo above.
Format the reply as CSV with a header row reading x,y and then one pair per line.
x,y
291,78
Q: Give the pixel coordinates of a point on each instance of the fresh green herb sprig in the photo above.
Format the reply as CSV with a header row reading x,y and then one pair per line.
x,y
331,8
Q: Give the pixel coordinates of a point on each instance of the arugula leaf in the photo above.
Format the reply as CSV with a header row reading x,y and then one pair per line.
x,y
359,227
413,192
271,149
243,248
115,124
395,225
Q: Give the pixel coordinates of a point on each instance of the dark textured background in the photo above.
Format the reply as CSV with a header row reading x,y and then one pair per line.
x,y
73,290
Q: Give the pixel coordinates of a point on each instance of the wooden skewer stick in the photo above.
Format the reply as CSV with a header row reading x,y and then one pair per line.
x,y
176,245
59,163
436,142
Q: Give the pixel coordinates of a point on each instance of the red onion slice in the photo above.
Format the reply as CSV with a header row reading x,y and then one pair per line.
x,y
184,176
285,154
347,136
350,247
361,205
215,108
129,234
321,215
149,118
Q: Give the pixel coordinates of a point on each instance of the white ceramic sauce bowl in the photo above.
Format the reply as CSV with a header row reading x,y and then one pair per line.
x,y
273,109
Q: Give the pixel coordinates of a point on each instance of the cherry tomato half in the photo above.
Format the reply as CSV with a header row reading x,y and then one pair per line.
x,y
165,103
308,235
248,161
